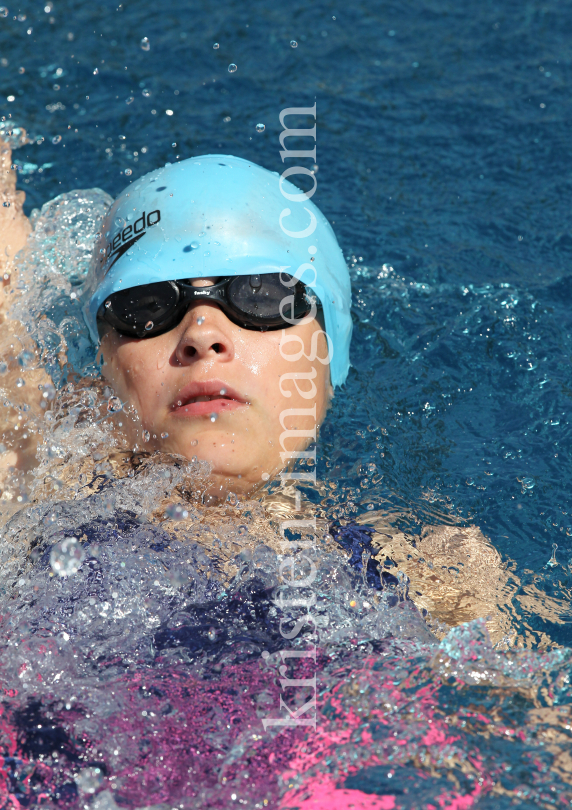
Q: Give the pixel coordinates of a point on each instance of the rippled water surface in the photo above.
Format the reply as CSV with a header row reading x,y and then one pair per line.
x,y
444,157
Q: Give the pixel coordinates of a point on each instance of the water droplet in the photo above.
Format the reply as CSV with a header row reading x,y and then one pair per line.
x,y
211,634
232,68
552,561
3,367
89,779
213,417
119,222
146,435
56,138
164,435
194,442
149,325
216,46
526,483
20,383
128,172
195,245
293,43
6,204
25,359
114,404
176,511
260,127
107,304
66,557
49,392
201,320
222,392
265,476
145,44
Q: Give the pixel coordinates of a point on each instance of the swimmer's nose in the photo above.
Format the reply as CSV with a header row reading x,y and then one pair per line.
x,y
204,335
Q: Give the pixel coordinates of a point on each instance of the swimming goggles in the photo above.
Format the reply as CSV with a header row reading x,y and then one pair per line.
x,y
260,302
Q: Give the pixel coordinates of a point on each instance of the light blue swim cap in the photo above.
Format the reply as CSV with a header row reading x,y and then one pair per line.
x,y
217,215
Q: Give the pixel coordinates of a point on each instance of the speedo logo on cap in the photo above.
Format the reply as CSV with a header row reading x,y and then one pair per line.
x,y
127,237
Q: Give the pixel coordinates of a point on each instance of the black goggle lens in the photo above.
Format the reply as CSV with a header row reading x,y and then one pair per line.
x,y
260,297
142,310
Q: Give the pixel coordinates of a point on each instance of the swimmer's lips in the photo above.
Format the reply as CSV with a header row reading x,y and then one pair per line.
x,y
202,399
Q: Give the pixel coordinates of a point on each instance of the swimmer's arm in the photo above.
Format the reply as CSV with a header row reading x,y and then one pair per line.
x,y
14,224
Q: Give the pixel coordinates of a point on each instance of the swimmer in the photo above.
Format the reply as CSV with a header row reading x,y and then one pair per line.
x,y
223,319
221,312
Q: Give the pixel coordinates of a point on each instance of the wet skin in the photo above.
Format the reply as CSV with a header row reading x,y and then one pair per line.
x,y
174,381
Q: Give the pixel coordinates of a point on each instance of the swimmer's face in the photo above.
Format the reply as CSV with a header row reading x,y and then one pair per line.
x,y
225,394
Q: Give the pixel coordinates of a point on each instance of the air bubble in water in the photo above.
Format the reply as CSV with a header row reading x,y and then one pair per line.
x,y
260,127
6,204
216,46
107,304
145,44
213,417
3,11
232,68
66,557
20,383
211,634
114,404
149,325
56,138
164,435
146,93
293,43
3,367
146,435
89,779
175,511
128,172
200,320
25,359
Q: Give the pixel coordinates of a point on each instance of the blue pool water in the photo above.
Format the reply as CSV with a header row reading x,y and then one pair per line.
x,y
444,162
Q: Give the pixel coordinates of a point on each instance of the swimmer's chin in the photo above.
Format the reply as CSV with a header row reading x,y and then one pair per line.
x,y
242,483
230,471
227,474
